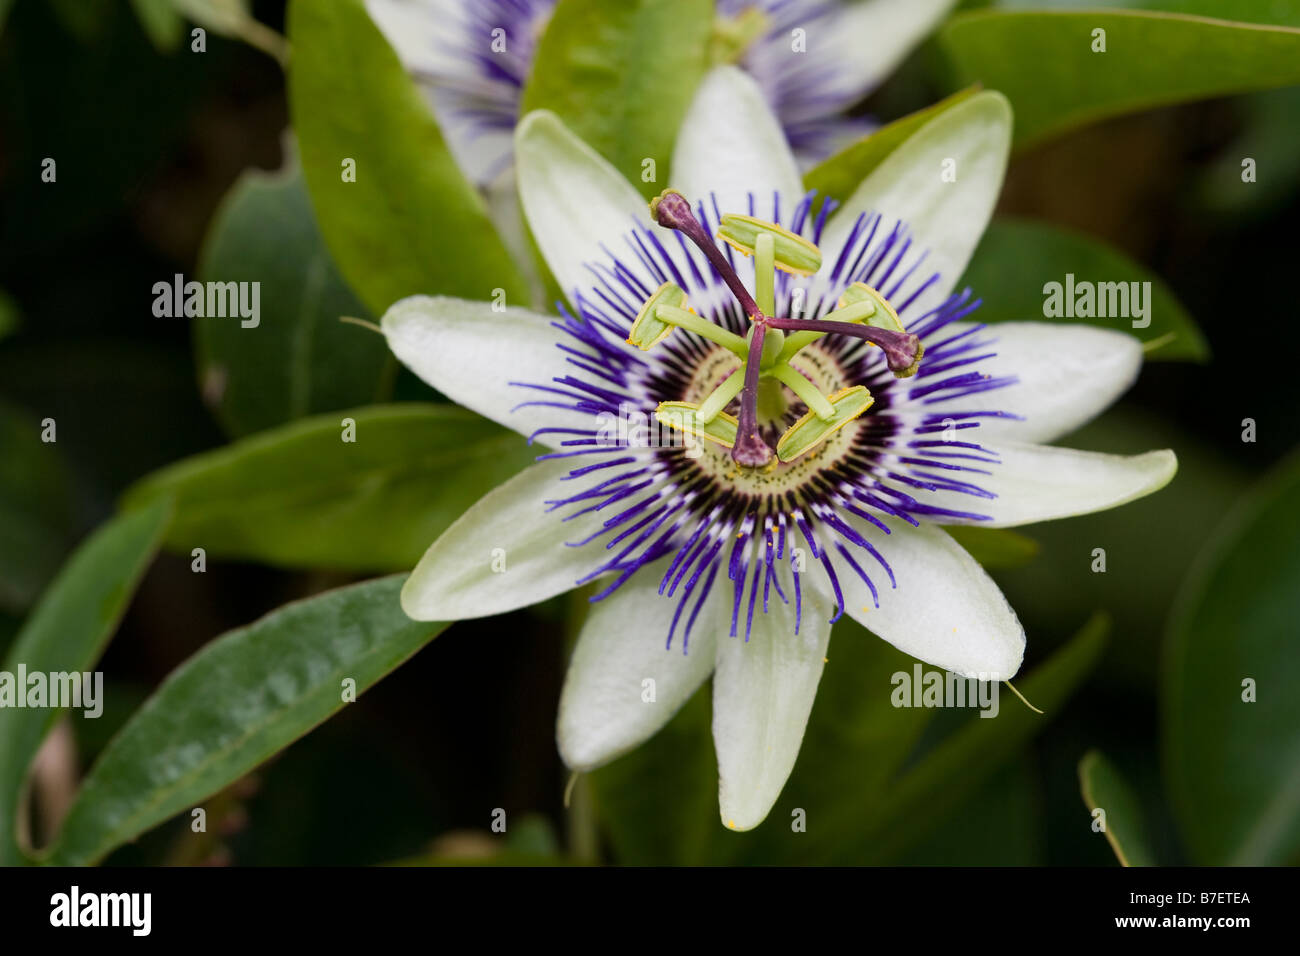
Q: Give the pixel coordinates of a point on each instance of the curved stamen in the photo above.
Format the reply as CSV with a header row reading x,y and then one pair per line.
x,y
903,350
750,449
671,210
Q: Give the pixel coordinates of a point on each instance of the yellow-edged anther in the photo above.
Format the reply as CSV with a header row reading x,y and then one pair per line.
x,y
649,330
684,417
861,303
808,432
793,253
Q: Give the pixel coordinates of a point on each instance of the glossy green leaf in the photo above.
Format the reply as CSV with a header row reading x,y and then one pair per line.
x,y
1231,713
410,223
1103,788
621,76
35,509
1017,258
995,547
299,358
244,697
301,496
839,175
67,632
1044,62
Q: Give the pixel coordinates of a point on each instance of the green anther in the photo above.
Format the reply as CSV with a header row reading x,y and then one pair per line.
x,y
732,36
649,330
765,273
857,312
859,295
684,417
791,253
806,390
859,303
671,315
721,397
809,431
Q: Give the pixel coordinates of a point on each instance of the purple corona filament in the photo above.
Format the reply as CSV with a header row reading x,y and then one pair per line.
x,y
654,503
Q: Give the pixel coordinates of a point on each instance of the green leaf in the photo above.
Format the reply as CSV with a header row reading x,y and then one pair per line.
x,y
300,496
1277,12
1104,788
995,547
68,632
35,509
1232,765
622,75
1017,258
244,697
161,21
410,223
1044,62
299,358
839,175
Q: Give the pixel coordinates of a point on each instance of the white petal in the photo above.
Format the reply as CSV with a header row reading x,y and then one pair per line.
x,y
861,43
763,692
1040,483
471,354
481,152
573,199
1068,374
945,611
419,31
731,144
603,713
947,218
505,552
